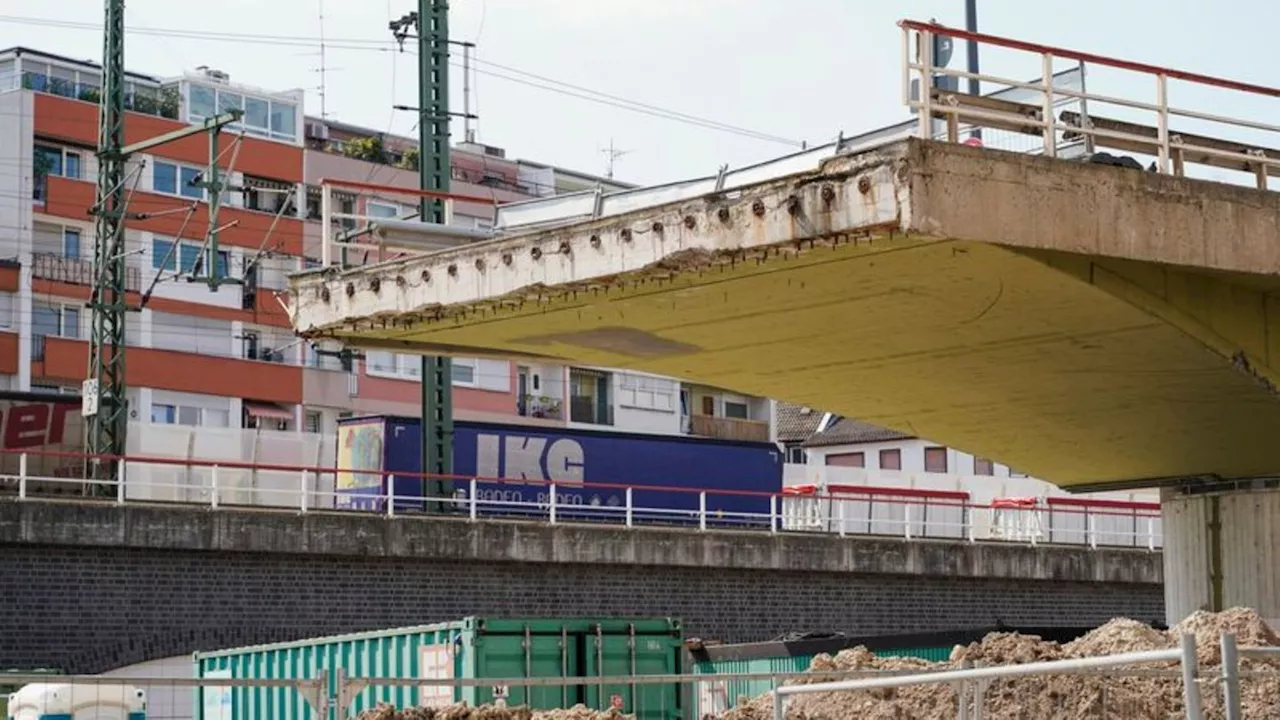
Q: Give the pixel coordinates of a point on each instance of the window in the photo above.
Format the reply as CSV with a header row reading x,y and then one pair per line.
x,y
257,116
165,414
284,120
708,405
71,243
982,466
203,100
164,178
314,421
187,259
55,321
382,210
173,179
891,459
191,176
589,400
262,116
464,373
795,454
646,393
853,460
53,160
736,410
935,460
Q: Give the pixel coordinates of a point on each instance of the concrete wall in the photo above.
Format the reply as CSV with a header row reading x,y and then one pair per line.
x,y
1247,542
98,587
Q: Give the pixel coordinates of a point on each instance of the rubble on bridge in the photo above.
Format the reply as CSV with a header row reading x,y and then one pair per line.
x,y
1136,695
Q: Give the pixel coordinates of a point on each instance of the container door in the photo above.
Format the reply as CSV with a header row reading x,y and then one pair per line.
x,y
625,654
526,655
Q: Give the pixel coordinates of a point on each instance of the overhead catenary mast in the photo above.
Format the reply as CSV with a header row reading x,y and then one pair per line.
x,y
431,26
104,400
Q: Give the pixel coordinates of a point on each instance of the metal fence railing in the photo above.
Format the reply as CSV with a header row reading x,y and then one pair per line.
x,y
1167,117
1145,685
906,513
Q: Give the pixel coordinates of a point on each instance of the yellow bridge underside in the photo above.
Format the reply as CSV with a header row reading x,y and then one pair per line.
x,y
1075,369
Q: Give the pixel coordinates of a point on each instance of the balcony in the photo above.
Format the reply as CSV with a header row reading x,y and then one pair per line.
x,y
76,271
721,428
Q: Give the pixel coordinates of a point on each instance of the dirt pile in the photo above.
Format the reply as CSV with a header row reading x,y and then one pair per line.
x,y
1138,693
463,711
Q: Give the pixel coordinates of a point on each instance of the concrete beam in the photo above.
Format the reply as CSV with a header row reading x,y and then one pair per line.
x,y
853,198
911,187
358,535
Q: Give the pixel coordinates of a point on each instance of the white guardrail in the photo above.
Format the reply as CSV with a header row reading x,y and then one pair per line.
x,y
909,513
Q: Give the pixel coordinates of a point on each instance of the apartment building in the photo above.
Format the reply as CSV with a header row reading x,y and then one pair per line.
x,y
226,357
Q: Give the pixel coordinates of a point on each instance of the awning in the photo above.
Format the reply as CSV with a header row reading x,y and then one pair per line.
x,y
267,410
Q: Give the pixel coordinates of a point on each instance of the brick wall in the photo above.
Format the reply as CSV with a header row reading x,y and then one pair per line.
x,y
89,609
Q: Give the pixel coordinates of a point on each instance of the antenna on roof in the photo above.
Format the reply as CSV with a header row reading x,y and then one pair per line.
x,y
611,155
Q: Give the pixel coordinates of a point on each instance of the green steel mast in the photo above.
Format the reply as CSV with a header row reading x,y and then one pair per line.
x,y
107,405
105,402
434,174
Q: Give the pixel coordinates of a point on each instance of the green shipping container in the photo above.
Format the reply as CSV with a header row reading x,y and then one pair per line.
x,y
473,648
716,696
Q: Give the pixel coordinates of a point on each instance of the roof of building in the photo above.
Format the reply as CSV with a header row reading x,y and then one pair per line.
x,y
848,431
796,423
19,50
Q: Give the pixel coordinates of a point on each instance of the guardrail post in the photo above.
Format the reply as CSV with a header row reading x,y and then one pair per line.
x,y
924,50
473,507
213,487
1151,534
631,509
1050,122
1190,669
302,491
120,471
702,510
1230,677
391,495
773,513
840,520
1162,122
906,521
779,706
1091,529
552,508
22,476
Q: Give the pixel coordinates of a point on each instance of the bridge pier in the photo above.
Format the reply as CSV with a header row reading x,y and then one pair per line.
x,y
1222,549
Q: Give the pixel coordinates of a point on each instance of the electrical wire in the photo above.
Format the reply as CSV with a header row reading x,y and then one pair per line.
x,y
543,82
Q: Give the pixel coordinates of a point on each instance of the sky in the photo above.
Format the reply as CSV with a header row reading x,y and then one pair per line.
x,y
783,73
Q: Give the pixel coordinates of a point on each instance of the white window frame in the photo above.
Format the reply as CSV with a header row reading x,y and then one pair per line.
x,y
61,309
272,104
384,204
79,242
66,152
474,366
206,267
179,167
744,404
409,367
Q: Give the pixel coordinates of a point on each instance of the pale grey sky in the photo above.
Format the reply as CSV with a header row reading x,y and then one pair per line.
x,y
803,69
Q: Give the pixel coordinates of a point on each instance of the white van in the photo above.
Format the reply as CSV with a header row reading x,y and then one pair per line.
x,y
64,701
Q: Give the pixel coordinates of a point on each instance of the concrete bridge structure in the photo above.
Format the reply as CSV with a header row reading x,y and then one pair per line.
x,y
1093,325
107,585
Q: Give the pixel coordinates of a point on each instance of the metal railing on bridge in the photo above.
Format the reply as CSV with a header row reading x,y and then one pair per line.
x,y
844,510
1152,127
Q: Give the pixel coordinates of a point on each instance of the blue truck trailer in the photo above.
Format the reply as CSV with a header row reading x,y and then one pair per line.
x,y
515,465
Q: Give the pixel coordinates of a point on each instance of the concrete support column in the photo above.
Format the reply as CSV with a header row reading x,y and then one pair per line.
x,y
1221,550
